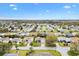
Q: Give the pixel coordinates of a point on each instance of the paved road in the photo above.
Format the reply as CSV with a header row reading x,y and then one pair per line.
x,y
62,50
34,48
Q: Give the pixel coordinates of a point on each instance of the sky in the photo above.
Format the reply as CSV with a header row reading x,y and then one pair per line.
x,y
41,11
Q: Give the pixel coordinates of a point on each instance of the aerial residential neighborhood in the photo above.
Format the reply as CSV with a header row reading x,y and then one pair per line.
x,y
39,29
39,38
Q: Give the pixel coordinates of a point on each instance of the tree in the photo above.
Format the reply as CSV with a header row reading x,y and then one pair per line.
x,y
5,47
74,46
53,38
10,43
50,41
31,50
74,49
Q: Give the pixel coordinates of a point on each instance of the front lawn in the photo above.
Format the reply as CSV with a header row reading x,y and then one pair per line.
x,y
61,44
35,44
23,52
20,44
53,52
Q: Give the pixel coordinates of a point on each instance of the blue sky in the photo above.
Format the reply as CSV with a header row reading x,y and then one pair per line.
x,y
39,11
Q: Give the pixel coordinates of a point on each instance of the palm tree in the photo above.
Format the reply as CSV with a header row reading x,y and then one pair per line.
x,y
16,47
31,49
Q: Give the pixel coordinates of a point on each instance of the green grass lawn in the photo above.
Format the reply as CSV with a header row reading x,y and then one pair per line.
x,y
35,44
55,31
61,44
66,31
53,52
20,44
23,52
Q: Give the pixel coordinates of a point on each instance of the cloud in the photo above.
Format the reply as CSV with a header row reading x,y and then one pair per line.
x,y
12,5
15,8
67,7
47,10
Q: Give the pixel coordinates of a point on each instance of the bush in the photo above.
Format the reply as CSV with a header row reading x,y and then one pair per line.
x,y
12,36
4,47
51,38
73,53
2,53
50,41
27,54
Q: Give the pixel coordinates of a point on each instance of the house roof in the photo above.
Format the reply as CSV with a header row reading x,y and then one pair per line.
x,y
75,39
64,38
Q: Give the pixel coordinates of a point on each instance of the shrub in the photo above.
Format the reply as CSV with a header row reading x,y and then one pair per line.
x,y
73,53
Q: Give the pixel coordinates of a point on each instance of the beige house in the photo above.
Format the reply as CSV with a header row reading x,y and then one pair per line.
x,y
75,40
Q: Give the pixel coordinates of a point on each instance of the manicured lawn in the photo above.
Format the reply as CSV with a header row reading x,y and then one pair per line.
x,y
23,52
53,52
66,31
35,44
55,31
20,44
61,44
